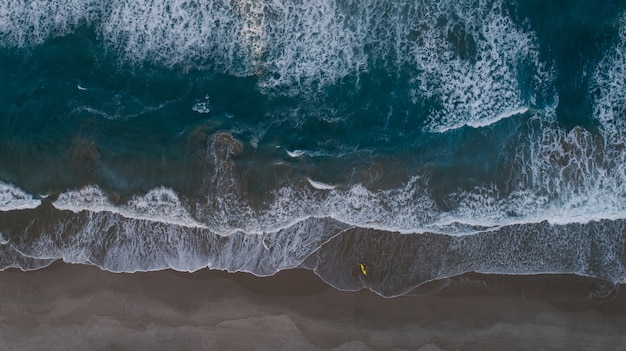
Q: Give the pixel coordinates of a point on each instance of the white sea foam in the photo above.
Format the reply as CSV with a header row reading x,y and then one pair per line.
x,y
88,198
496,118
563,176
299,46
334,152
158,205
296,153
471,62
406,209
203,106
32,22
12,198
117,111
320,185
587,172
289,45
314,43
609,84
296,46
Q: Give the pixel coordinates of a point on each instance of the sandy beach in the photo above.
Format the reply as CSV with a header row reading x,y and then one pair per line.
x,y
75,307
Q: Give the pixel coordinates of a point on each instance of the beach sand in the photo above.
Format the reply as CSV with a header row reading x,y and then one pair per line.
x,y
77,307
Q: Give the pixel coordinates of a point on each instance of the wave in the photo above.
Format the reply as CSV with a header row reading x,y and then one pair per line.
x,y
471,65
563,176
548,174
467,56
320,185
557,177
608,88
563,215
333,151
158,205
489,121
296,153
397,263
13,198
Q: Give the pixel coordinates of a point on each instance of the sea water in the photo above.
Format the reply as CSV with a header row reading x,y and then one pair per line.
x,y
425,139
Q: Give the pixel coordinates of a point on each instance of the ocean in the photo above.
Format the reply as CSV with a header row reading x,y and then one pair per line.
x,y
423,139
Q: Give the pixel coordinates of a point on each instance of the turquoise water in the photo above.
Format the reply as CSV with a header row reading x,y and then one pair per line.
x,y
256,135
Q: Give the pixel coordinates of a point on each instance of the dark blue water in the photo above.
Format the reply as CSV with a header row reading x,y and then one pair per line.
x,y
259,136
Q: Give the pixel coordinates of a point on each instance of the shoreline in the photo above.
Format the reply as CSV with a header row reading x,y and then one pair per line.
x,y
67,306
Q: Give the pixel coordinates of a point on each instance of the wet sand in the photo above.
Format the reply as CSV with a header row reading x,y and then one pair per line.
x,y
75,307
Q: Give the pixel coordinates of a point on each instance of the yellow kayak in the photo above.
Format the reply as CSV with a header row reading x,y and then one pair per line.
x,y
363,269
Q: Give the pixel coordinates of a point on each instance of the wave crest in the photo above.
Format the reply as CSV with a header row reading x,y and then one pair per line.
x,y
463,53
158,205
12,198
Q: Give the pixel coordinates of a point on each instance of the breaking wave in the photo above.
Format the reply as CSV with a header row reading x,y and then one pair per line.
x,y
12,198
467,56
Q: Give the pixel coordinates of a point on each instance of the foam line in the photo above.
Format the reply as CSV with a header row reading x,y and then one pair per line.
x,y
158,205
320,185
13,198
486,122
296,153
